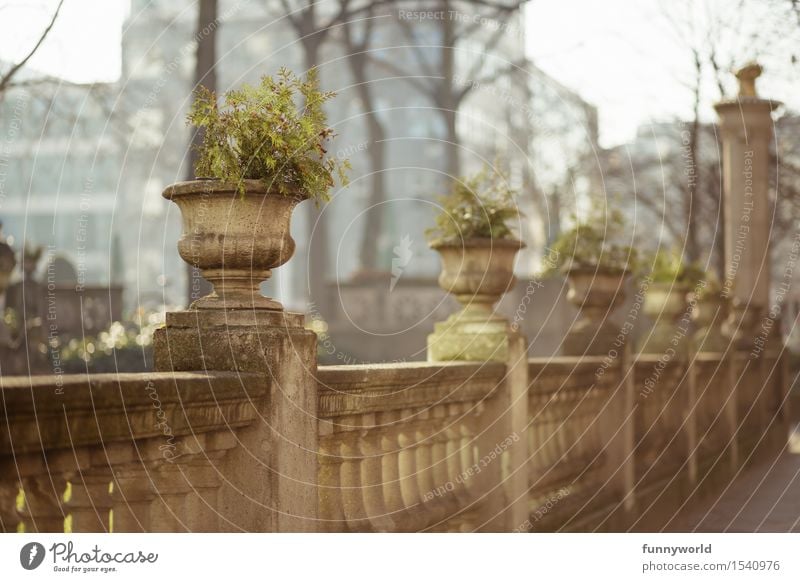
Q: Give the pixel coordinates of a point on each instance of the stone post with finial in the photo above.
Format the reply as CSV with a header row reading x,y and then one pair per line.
x,y
746,130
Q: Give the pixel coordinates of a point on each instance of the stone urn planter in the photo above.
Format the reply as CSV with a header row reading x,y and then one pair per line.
x,y
709,316
477,272
596,293
234,240
666,305
8,261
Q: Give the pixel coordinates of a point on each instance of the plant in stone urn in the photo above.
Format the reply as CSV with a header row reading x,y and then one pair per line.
x,y
596,264
478,248
263,151
709,314
666,302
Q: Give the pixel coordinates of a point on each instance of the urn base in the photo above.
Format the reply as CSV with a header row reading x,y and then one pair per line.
x,y
468,339
232,340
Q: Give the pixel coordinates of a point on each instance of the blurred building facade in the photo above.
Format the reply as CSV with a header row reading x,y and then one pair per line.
x,y
88,165
59,179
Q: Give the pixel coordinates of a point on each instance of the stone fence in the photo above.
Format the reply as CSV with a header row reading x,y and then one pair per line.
x,y
556,444
241,430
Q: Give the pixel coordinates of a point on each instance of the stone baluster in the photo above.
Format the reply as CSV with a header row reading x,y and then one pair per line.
x,y
537,434
9,493
390,469
439,440
186,486
169,512
330,494
561,437
372,477
436,506
89,501
549,451
132,494
350,470
459,455
86,500
407,466
42,509
422,437
133,486
469,450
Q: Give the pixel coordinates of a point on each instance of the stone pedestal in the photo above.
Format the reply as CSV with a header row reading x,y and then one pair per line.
x,y
270,479
709,315
746,131
666,304
470,336
477,272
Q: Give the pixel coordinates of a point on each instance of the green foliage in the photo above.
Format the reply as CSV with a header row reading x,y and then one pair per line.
x,y
477,206
710,287
592,244
262,133
669,267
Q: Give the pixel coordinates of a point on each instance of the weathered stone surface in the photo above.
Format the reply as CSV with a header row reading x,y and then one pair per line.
x,y
274,485
596,293
477,272
666,305
360,389
709,315
42,412
746,129
235,239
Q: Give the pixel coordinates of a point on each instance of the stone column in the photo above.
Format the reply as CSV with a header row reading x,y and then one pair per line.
x,y
746,130
272,474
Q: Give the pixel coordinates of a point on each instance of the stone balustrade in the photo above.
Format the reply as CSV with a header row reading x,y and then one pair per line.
x,y
568,443
127,452
572,437
408,447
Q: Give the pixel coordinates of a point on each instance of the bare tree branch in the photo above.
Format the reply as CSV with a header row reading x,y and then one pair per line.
x,y
9,75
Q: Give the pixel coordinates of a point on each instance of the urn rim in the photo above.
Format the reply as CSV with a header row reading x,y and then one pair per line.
x,y
219,187
476,242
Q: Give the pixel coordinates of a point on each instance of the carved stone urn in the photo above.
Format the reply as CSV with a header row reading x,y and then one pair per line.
x,y
477,272
234,240
8,261
596,293
709,314
666,304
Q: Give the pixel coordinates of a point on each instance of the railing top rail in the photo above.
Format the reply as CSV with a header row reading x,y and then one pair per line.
x,y
346,390
44,412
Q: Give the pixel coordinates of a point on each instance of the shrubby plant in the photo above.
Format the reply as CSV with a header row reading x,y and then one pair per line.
x,y
712,288
593,243
275,132
478,206
668,267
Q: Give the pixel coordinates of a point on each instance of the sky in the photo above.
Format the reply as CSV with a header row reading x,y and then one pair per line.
x,y
620,55
82,47
626,57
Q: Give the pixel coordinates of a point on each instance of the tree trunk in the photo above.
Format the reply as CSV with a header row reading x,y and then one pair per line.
x,y
318,243
448,105
368,253
205,75
692,173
